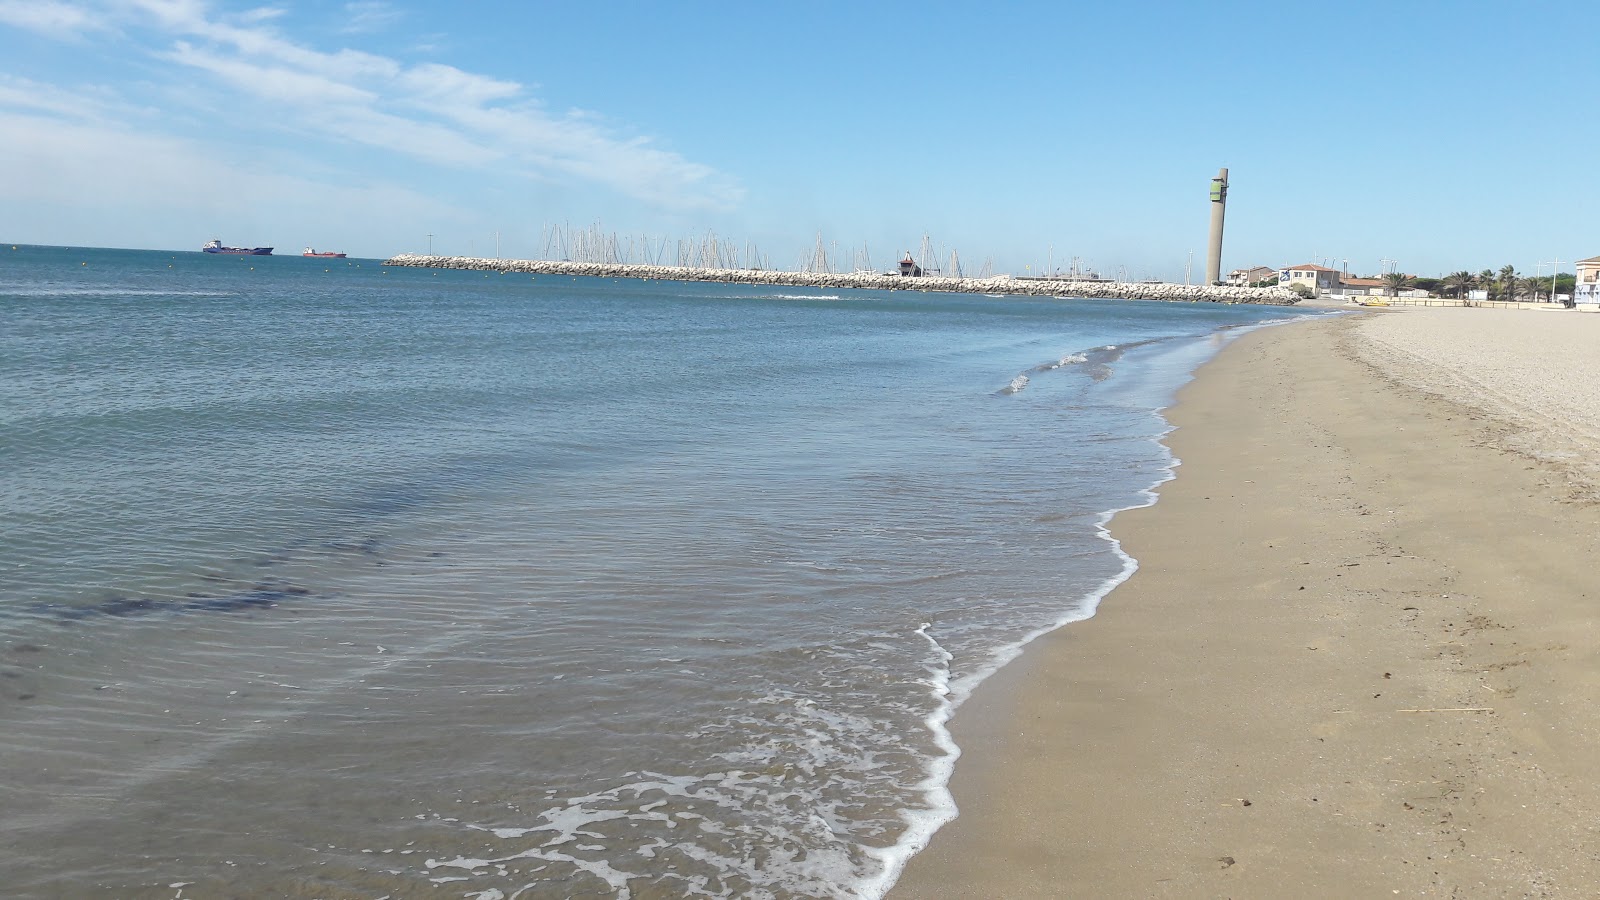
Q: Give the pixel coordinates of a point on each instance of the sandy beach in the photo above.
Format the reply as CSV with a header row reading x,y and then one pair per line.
x,y
1359,657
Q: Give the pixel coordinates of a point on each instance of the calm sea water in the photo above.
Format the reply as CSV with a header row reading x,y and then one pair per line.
x,y
323,579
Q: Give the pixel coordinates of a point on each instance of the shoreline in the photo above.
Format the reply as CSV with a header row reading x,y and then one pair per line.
x,y
1335,672
861,280
937,786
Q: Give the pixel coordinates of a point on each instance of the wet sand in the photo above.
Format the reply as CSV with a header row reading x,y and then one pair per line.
x,y
1360,658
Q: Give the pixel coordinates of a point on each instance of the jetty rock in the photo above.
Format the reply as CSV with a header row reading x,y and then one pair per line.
x,y
1002,284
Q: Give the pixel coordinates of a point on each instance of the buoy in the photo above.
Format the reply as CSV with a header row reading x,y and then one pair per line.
x,y
83,264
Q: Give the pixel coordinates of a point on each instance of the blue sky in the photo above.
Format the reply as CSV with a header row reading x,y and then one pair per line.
x,y
1439,135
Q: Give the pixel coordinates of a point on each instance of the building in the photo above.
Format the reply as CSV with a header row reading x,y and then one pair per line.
x,y
909,267
1320,279
1247,277
1587,290
1376,287
1362,287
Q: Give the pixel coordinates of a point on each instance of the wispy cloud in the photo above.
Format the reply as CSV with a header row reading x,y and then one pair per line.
x,y
263,13
28,96
63,21
439,114
368,16
167,188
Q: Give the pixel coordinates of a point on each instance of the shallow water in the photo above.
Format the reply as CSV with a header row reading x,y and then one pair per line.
x,y
324,579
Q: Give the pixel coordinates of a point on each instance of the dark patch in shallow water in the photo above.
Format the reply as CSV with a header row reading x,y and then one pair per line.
x,y
370,546
390,502
129,606
264,595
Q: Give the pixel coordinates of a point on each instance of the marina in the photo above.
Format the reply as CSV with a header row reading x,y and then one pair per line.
x,y
861,280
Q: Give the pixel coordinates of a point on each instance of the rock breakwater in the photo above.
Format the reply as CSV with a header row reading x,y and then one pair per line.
x,y
1005,284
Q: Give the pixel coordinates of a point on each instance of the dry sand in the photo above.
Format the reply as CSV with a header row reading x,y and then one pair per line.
x,y
1359,658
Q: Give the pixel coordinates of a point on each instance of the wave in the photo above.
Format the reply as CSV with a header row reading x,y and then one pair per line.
x,y
1099,355
1070,359
1016,385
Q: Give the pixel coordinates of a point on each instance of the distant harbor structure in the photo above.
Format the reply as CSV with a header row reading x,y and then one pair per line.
x,y
916,278
909,267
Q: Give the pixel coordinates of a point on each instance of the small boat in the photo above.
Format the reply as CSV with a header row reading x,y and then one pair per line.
x,y
329,254
215,246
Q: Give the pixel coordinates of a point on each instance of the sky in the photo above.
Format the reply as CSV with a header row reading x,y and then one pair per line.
x,y
1419,136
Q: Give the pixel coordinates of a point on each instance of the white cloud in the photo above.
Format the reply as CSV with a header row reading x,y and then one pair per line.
x,y
58,20
252,75
26,95
282,83
437,113
263,13
432,81
368,16
133,188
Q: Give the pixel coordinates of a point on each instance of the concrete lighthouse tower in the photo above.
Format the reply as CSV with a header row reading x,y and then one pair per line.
x,y
1219,207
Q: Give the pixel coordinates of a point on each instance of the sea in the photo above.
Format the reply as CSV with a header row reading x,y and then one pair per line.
x,y
322,578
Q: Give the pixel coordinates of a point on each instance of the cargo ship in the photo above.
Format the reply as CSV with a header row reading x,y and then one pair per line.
x,y
215,246
329,254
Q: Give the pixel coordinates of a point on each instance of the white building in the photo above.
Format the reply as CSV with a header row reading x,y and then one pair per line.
x,y
1588,287
1320,279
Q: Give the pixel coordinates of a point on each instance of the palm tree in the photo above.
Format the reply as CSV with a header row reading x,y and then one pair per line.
x,y
1460,282
1508,282
1395,282
1486,281
1527,287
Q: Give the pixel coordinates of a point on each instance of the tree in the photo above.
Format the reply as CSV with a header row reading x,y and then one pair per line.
x,y
1460,283
1508,282
1530,288
1395,282
1486,282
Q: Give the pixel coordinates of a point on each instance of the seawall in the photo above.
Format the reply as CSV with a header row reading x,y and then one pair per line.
x,y
1004,284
